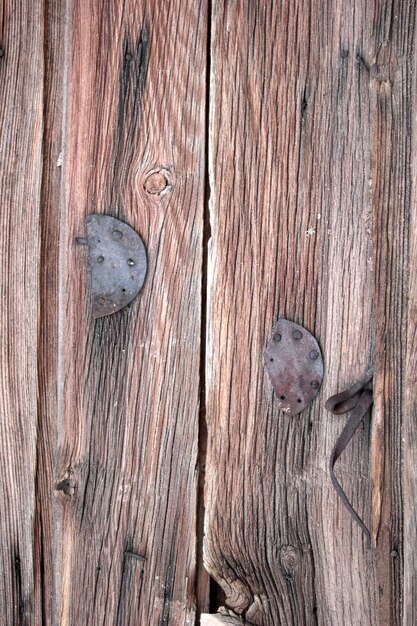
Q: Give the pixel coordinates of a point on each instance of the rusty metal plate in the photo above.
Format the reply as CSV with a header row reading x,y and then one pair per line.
x,y
294,363
118,263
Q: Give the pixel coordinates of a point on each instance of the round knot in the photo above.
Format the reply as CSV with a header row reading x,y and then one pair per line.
x,y
157,183
289,559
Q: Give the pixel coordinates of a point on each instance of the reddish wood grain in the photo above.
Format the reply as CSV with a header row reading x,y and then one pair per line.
x,y
129,383
309,214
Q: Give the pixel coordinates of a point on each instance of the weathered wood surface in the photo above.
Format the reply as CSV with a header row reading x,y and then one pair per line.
x,y
309,115
21,124
311,144
219,620
47,507
129,383
393,88
410,421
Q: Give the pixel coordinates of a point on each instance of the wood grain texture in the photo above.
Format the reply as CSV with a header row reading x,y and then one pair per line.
x,y
129,383
104,424
393,87
410,396
410,403
53,85
21,92
220,620
308,176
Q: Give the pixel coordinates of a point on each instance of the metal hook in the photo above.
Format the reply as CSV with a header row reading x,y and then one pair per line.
x,y
360,398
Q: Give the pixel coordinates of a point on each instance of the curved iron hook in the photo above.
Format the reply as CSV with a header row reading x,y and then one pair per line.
x,y
360,398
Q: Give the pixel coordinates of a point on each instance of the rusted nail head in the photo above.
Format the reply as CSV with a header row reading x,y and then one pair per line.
x,y
100,259
277,337
117,234
297,334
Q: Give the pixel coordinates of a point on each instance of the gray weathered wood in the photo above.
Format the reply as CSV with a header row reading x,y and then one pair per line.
x,y
53,87
219,620
21,91
410,421
393,87
305,124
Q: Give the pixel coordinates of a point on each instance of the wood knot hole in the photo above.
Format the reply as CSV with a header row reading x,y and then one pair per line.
x,y
158,183
67,486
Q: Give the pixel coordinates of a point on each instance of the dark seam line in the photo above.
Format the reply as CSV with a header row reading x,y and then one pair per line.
x,y
202,422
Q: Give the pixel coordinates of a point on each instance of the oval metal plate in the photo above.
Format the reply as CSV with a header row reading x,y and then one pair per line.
x,y
294,364
118,263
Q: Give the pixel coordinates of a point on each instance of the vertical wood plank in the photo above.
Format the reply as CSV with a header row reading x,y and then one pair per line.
x,y
129,383
410,408
46,566
393,85
291,219
21,80
409,431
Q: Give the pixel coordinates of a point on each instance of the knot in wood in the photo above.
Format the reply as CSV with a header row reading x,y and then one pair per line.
x,y
289,559
67,486
158,183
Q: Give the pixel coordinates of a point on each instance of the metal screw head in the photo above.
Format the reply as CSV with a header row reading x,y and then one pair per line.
x,y
100,259
315,384
277,337
297,334
130,262
117,234
314,355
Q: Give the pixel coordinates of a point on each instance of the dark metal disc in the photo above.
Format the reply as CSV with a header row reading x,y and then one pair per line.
x,y
294,364
118,263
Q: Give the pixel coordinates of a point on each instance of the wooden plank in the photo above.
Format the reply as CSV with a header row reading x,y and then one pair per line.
x,y
21,79
290,161
129,383
410,412
54,52
393,87
410,397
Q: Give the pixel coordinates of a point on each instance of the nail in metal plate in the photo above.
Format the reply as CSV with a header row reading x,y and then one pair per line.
x,y
294,364
118,263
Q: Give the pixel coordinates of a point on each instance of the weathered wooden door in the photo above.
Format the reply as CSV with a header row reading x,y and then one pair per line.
x,y
266,153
